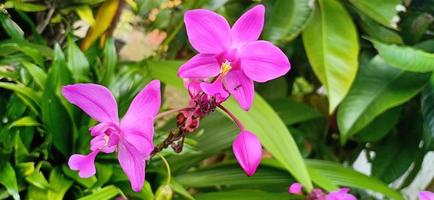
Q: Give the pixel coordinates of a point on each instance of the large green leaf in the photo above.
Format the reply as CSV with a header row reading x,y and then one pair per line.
x,y
332,48
344,176
380,126
38,75
231,175
286,19
261,120
406,58
292,111
378,88
8,179
382,11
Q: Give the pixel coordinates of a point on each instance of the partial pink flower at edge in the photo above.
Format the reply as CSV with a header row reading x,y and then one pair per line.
x,y
426,195
248,151
232,55
132,136
295,188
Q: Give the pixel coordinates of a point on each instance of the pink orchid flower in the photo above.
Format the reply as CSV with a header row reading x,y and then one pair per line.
x,y
426,195
132,137
248,151
231,57
318,194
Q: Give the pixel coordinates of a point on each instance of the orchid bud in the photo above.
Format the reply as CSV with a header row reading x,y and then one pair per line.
x,y
248,151
164,192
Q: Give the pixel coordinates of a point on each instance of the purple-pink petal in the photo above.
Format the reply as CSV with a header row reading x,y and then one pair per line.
x,y
295,188
85,164
207,31
341,194
248,27
133,164
261,61
215,89
139,118
248,151
141,139
241,88
426,195
200,66
96,100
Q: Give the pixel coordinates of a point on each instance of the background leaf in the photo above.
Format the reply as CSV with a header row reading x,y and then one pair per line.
x,y
332,47
382,11
378,88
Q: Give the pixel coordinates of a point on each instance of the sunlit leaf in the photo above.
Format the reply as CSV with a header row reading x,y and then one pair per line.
x,y
332,47
382,11
59,185
405,58
9,180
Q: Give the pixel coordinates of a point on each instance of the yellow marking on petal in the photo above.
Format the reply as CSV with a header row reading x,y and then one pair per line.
x,y
226,67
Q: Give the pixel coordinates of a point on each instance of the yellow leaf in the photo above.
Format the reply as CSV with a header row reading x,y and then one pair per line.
x,y
85,13
104,18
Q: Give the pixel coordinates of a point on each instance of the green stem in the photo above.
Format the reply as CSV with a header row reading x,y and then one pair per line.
x,y
169,173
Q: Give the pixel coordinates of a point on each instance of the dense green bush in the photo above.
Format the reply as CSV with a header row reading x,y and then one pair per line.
x,y
361,84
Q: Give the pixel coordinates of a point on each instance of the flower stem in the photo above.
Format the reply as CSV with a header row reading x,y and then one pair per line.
x,y
169,173
232,116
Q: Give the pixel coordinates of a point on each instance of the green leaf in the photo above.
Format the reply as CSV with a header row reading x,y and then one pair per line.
x,y
27,7
110,61
261,120
405,58
427,106
380,126
292,111
58,185
383,11
24,121
54,114
38,75
178,188
378,88
28,95
286,20
395,154
332,47
344,176
33,51
77,62
38,180
108,192
8,179
245,195
11,28
233,176
378,32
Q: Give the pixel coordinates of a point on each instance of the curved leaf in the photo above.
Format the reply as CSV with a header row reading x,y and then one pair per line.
x,y
8,179
332,48
286,20
348,177
406,58
383,11
11,28
377,88
427,104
